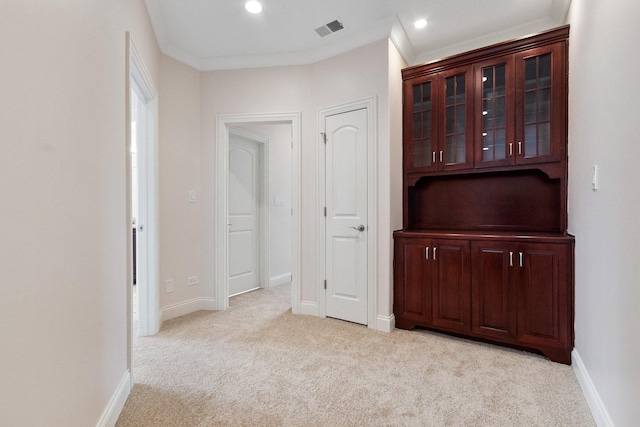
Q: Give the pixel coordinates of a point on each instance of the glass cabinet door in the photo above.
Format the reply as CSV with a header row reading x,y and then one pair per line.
x,y
422,126
455,151
494,112
540,119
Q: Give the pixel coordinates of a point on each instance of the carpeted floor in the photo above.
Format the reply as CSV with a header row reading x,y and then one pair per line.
x,y
256,364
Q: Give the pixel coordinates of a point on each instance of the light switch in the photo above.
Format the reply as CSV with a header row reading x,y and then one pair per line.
x,y
192,196
279,201
594,178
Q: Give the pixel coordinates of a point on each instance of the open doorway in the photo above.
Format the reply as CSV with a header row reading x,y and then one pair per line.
x,y
142,211
282,262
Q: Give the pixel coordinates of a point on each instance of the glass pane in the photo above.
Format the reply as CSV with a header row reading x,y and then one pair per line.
x,y
544,105
460,149
530,107
487,82
530,140
418,156
500,80
544,139
417,125
460,89
451,118
450,149
460,119
487,145
487,113
426,119
450,88
426,96
500,145
500,112
417,97
530,76
544,71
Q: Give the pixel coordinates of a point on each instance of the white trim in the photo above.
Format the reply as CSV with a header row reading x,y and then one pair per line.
x,y
309,308
114,408
148,296
187,307
372,167
598,410
221,199
280,279
385,323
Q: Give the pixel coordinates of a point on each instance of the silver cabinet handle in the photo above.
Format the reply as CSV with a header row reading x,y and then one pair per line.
x,y
434,253
426,252
510,259
434,157
520,148
441,156
359,228
521,259
511,149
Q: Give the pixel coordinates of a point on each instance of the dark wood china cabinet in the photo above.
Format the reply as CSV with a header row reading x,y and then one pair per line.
x,y
484,250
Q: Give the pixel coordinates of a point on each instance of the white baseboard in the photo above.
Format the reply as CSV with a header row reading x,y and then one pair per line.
x,y
186,307
385,323
309,308
598,410
116,403
280,279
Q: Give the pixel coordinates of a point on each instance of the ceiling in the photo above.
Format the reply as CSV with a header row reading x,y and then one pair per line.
x,y
221,34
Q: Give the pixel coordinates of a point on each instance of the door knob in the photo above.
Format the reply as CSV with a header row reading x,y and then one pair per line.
x,y
359,228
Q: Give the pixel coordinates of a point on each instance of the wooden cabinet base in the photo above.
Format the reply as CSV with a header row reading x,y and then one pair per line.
x,y
513,290
558,355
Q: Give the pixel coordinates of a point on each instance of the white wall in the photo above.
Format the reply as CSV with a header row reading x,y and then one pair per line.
x,y
63,226
604,109
179,172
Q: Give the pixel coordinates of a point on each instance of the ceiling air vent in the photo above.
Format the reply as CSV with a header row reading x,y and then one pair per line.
x,y
329,28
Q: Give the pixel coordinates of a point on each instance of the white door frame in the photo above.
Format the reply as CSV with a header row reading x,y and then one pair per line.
x,y
224,123
372,161
263,207
148,296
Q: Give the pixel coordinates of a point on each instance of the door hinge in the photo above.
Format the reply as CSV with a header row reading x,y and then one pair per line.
x,y
325,284
324,137
325,211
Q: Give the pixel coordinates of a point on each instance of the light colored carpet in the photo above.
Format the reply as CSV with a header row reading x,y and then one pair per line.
x,y
257,364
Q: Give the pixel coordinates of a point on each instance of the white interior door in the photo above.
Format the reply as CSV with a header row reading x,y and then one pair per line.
x,y
346,216
244,215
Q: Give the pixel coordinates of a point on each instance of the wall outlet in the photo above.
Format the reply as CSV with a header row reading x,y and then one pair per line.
x,y
169,286
192,281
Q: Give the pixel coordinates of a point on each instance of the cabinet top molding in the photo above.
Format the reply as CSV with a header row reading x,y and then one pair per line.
x,y
512,46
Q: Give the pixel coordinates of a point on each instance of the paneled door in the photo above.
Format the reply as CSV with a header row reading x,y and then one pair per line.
x,y
346,216
244,215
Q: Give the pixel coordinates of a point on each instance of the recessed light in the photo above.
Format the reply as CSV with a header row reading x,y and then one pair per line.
x,y
253,6
420,23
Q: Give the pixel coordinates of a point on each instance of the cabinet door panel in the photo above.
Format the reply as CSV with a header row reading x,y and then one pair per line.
x,y
420,125
456,141
492,284
413,283
541,105
451,290
543,294
494,112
